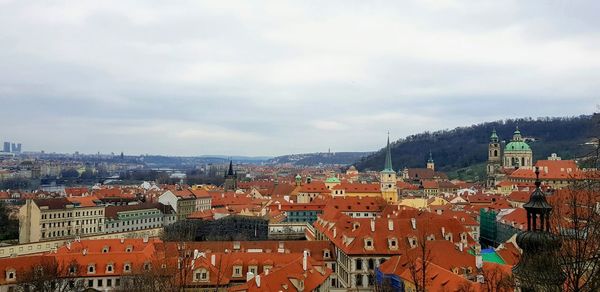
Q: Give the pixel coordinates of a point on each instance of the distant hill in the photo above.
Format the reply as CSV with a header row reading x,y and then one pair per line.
x,y
464,147
312,159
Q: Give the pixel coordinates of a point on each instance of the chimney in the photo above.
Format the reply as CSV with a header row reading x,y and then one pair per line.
x,y
267,272
84,251
480,279
478,261
390,225
249,276
443,231
372,225
279,206
145,238
334,232
305,261
69,245
413,222
195,254
460,246
257,279
213,260
122,240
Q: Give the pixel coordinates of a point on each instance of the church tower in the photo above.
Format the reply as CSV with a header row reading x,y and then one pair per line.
x,y
230,178
430,163
538,269
387,177
494,159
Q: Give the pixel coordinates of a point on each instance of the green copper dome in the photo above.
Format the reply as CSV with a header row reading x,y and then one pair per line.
x,y
332,180
517,146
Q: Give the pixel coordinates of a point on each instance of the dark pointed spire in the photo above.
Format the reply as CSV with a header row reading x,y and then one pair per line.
x,y
230,170
388,156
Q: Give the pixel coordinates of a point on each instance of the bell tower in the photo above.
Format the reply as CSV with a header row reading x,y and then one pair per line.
x,y
494,159
430,163
387,177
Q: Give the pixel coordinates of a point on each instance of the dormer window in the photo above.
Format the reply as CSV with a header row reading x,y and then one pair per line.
x,y
448,236
72,269
129,248
253,269
91,269
147,266
326,254
393,243
127,267
105,249
201,275
368,243
11,275
412,241
237,271
110,268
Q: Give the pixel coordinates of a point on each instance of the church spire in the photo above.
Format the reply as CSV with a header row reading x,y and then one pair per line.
x,y
388,156
230,170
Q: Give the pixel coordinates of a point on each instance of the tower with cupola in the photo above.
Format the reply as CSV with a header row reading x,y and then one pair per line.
x,y
494,159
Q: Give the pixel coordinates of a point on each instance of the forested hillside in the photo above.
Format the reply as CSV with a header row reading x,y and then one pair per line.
x,y
311,159
466,146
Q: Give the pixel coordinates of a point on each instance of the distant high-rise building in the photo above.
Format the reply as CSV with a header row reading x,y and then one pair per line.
x,y
16,148
6,147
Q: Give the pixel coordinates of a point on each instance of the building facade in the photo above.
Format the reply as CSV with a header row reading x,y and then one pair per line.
x,y
52,219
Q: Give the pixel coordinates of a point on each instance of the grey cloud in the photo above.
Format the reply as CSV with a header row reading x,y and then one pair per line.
x,y
234,78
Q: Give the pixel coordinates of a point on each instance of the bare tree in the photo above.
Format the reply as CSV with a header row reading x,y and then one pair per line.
x,y
51,276
496,280
418,257
576,220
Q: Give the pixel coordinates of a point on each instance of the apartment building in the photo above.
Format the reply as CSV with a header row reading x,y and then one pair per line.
x,y
182,201
52,219
138,217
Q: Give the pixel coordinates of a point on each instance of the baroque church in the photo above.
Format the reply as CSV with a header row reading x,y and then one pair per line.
x,y
516,154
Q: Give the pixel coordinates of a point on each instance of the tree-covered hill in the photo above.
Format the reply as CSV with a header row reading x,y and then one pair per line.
x,y
312,159
466,146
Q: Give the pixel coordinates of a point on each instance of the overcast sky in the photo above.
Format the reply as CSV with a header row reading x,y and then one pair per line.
x,y
269,78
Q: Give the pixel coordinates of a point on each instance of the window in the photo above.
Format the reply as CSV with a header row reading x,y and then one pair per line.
x,y
117,282
359,264
369,243
91,269
127,267
90,283
109,282
10,275
237,271
371,264
359,280
100,284
109,268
